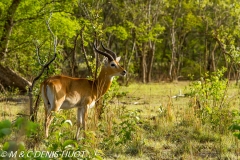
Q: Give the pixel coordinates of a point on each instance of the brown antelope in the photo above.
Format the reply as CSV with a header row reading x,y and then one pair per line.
x,y
62,92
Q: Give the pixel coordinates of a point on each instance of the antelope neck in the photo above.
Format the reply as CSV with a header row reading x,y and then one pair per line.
x,y
102,83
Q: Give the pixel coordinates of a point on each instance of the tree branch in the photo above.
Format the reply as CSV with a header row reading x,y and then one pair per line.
x,y
7,29
33,110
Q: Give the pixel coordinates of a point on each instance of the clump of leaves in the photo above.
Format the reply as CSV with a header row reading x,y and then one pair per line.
x,y
124,133
62,140
15,135
5,128
235,127
212,105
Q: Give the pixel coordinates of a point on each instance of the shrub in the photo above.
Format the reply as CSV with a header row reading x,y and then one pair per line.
x,y
211,104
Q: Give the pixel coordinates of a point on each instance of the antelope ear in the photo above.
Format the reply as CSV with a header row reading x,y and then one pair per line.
x,y
118,59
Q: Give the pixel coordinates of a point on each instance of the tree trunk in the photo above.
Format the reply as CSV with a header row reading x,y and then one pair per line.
x,y
213,64
205,63
85,53
172,68
143,64
74,66
9,78
129,60
150,61
7,28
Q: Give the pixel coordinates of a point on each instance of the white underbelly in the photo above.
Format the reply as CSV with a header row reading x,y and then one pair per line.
x,y
67,105
70,104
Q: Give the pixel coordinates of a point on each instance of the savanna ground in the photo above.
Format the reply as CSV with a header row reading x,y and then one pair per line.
x,y
141,121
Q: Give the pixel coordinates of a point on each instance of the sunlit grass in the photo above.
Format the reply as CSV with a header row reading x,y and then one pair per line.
x,y
172,128
169,127
10,110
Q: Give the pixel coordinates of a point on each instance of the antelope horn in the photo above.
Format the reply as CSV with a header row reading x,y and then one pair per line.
x,y
109,51
110,58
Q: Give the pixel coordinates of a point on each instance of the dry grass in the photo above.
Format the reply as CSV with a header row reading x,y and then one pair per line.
x,y
171,128
168,128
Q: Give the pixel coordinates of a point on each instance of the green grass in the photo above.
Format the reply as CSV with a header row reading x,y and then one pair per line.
x,y
161,127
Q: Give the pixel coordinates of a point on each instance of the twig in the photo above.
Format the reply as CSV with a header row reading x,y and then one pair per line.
x,y
84,52
33,110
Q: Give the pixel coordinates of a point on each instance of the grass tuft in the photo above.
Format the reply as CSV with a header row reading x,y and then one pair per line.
x,y
144,122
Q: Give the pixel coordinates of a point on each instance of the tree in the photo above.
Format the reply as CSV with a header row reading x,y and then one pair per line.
x,y
23,26
8,76
138,29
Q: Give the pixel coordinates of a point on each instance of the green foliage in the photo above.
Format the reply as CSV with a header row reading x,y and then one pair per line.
x,y
146,32
112,92
124,132
28,127
5,128
128,127
211,89
129,130
19,125
61,140
119,31
235,127
64,25
60,143
132,26
22,130
210,94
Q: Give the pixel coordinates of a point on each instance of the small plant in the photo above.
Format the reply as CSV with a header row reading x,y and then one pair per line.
x,y
124,132
112,93
235,127
15,135
211,103
61,140
5,128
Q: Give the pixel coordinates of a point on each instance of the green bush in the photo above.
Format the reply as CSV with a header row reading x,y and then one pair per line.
x,y
124,133
212,105
5,128
16,137
235,127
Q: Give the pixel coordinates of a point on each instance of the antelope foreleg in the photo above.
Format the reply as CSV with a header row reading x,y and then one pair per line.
x,y
48,120
81,121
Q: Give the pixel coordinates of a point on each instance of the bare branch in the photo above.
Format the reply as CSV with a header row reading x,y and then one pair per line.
x,y
224,49
34,110
38,46
84,52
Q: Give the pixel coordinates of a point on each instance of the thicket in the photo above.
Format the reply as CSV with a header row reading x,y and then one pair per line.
x,y
158,40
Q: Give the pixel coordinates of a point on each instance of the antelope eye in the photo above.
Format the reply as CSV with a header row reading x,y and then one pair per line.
x,y
113,65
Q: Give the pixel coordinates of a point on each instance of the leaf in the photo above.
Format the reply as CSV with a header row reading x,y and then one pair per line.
x,y
234,127
31,128
68,122
5,146
5,128
98,157
5,124
119,31
69,143
5,131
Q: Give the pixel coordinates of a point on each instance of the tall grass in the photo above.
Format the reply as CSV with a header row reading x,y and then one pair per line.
x,y
141,121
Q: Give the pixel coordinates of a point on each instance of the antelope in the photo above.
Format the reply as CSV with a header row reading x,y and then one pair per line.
x,y
63,92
